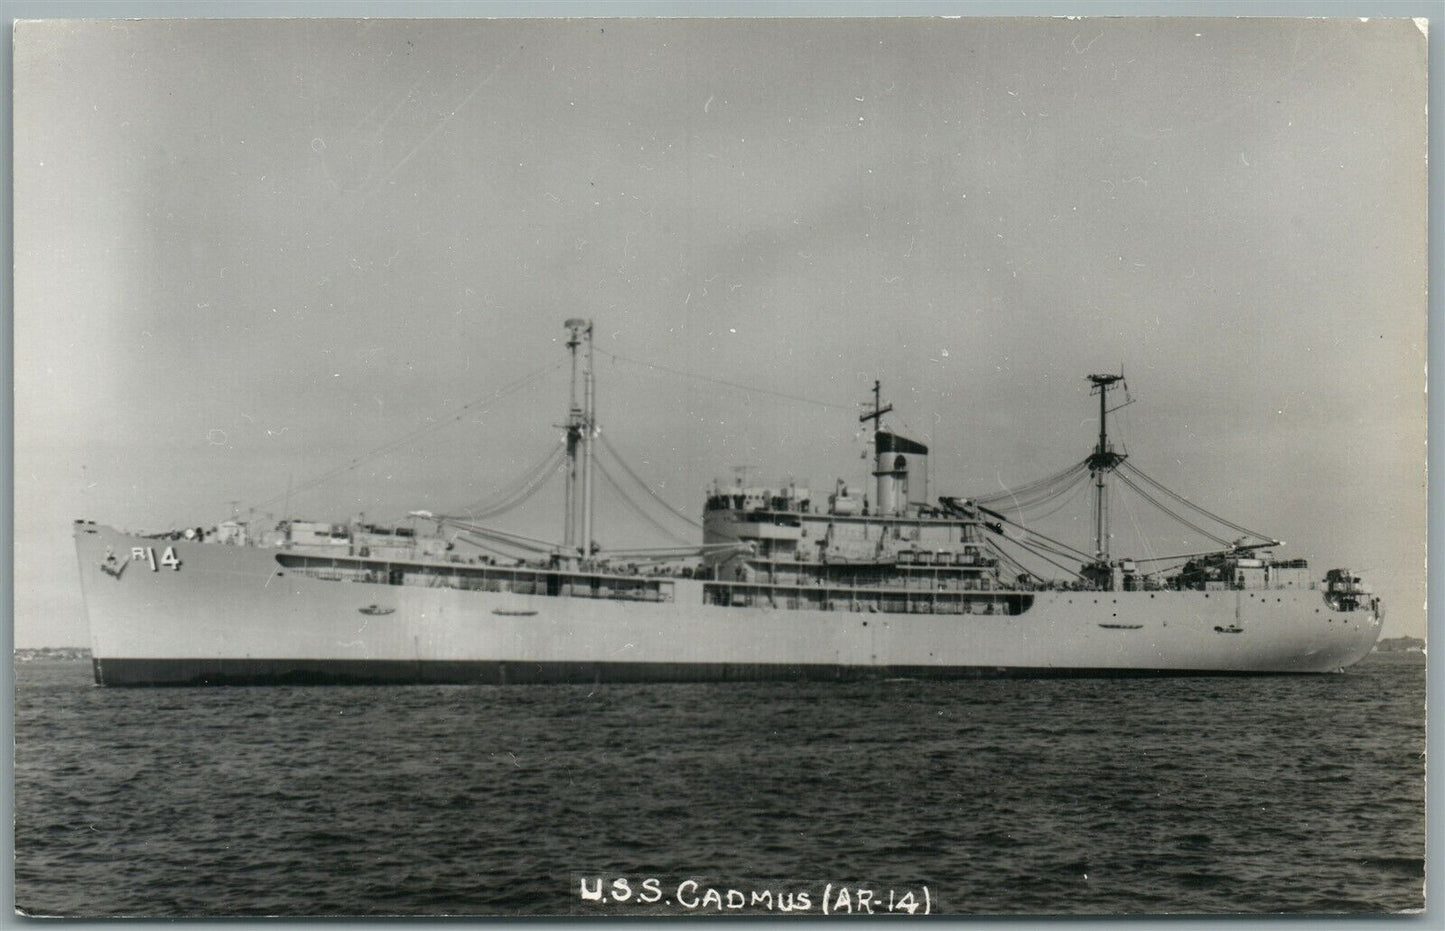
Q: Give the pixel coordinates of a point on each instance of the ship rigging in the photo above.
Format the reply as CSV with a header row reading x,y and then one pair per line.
x,y
783,584
1037,500
580,464
1012,516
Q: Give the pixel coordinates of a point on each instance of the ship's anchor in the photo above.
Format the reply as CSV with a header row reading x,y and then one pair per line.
x,y
111,566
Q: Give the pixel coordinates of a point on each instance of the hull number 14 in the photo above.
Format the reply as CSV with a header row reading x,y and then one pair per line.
x,y
148,553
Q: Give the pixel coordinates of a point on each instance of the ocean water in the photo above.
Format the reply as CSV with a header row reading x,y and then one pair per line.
x,y
1009,797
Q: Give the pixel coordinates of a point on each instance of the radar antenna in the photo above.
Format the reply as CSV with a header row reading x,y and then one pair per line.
x,y
879,409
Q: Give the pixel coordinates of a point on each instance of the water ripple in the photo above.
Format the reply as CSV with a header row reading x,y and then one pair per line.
x,y
1292,794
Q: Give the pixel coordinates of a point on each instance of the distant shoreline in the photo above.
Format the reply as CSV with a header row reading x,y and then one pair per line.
x,y
30,654
1400,645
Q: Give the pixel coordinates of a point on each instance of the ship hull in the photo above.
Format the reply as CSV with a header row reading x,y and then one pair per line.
x,y
234,615
187,672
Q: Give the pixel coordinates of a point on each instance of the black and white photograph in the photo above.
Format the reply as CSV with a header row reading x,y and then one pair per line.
x,y
668,467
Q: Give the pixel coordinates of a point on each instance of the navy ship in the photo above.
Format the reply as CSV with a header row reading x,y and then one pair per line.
x,y
780,586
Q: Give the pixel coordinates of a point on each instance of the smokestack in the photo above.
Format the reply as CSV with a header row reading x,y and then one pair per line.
x,y
901,468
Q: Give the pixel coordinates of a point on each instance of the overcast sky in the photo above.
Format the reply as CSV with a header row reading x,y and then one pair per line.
x,y
248,252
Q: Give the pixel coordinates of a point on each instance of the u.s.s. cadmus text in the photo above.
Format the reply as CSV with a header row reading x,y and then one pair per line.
x,y
694,895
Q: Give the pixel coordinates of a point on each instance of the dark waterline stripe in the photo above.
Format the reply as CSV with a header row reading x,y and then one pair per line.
x,y
201,672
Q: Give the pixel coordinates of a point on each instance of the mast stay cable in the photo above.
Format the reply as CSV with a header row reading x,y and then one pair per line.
x,y
996,543
1042,486
521,492
1027,506
1185,521
392,445
1074,553
719,381
1079,484
635,507
606,444
1135,470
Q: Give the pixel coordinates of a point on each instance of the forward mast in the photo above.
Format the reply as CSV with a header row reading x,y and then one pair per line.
x,y
581,427
1103,461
